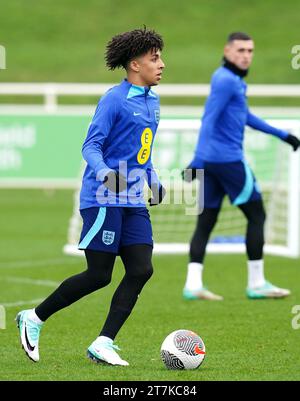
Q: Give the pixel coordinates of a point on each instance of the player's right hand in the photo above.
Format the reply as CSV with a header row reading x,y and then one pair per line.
x,y
158,194
115,182
293,141
189,174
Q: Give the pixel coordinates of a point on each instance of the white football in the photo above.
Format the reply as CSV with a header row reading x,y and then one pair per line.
x,y
182,349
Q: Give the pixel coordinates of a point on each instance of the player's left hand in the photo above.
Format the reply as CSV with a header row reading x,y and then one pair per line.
x,y
158,194
293,141
115,182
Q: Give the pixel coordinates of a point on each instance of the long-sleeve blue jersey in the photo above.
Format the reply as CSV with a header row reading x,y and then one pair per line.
x,y
223,123
120,138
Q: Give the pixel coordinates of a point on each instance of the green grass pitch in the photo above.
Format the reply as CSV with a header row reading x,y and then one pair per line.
x,y
200,31
245,340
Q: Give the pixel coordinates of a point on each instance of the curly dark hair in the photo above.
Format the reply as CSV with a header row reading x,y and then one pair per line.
x,y
126,46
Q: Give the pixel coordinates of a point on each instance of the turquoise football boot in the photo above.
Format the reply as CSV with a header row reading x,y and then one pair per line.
x,y
268,290
29,335
201,293
104,350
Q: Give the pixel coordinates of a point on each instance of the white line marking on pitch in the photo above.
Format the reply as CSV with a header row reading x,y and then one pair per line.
x,y
38,263
24,280
20,303
46,283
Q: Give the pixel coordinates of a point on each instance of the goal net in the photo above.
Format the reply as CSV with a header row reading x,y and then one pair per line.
x,y
275,165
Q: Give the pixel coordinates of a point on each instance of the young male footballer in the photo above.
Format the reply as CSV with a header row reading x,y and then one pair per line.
x,y
220,153
117,150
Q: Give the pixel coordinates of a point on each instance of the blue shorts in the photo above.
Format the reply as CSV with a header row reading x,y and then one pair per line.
x,y
234,179
110,228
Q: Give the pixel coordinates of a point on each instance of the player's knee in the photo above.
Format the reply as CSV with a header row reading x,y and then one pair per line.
x,y
98,280
146,273
104,281
207,220
258,218
142,273
254,212
262,217
211,221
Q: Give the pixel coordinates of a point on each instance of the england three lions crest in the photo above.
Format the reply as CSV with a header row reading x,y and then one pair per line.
x,y
108,237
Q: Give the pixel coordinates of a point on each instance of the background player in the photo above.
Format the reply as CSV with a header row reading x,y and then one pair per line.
x,y
220,152
115,218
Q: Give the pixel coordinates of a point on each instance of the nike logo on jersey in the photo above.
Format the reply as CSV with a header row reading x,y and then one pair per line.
x,y
30,347
136,114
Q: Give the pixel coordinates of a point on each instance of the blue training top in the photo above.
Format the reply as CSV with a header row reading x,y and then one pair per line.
x,y
120,138
223,123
